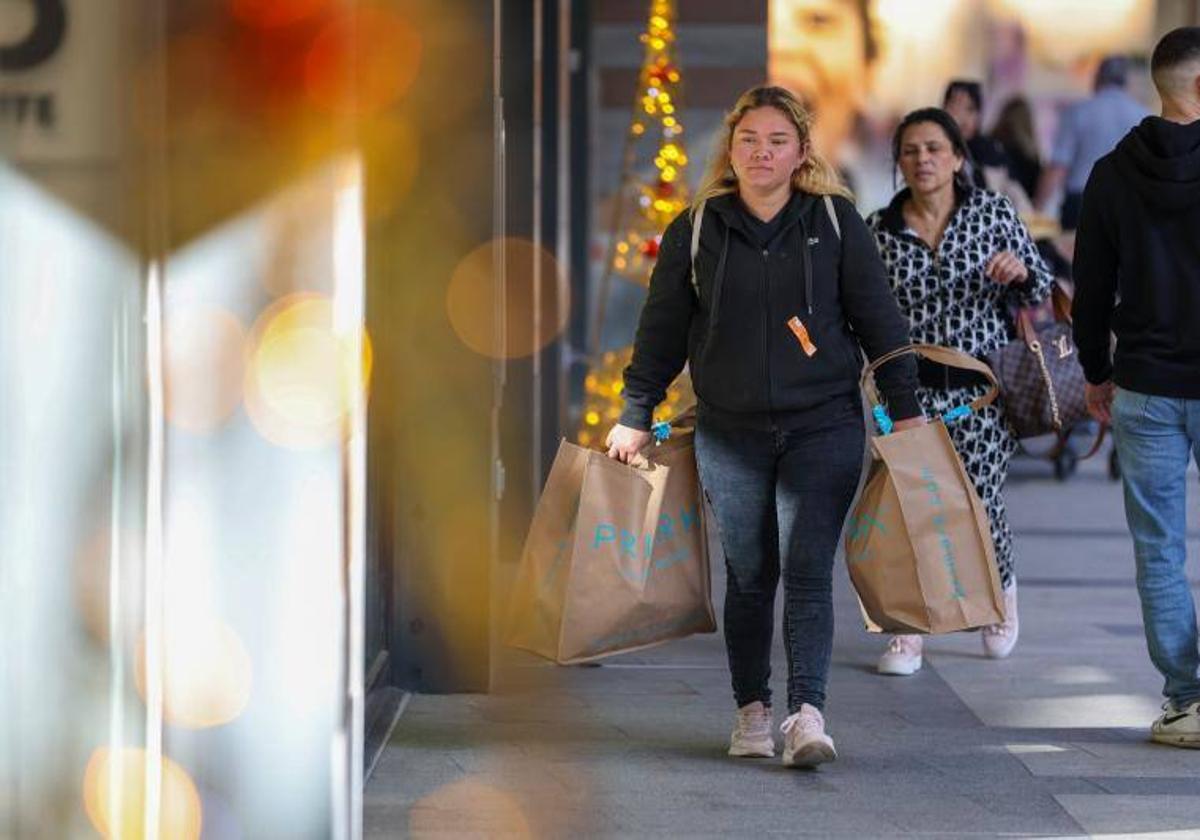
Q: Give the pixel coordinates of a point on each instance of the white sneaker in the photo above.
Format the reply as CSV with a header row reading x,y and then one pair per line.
x,y
902,657
999,639
752,732
805,743
1178,727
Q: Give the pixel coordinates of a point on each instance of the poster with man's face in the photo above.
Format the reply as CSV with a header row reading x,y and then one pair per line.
x,y
824,51
860,65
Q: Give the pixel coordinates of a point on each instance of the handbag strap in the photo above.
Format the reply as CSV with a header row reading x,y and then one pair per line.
x,y
934,353
1060,299
1064,437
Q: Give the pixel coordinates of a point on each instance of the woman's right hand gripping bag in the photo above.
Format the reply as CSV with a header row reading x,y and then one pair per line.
x,y
616,558
918,546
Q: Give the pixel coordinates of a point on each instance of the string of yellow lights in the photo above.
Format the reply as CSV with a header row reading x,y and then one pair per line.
x,y
663,197
658,200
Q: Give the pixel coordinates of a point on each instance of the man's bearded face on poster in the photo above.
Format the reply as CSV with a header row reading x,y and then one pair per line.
x,y
824,51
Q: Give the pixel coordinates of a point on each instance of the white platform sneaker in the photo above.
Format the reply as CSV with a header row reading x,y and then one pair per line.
x,y
902,657
1000,639
752,736
805,742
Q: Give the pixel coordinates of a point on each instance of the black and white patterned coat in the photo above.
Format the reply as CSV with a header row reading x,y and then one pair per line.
x,y
949,301
944,292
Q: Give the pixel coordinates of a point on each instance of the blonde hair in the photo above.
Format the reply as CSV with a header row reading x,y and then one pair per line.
x,y
815,176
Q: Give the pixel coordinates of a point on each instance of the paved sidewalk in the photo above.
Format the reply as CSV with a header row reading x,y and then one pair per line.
x,y
1050,743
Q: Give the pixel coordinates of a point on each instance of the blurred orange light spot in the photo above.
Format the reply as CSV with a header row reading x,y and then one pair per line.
x,y
471,299
303,376
119,776
206,673
204,350
468,807
268,14
362,61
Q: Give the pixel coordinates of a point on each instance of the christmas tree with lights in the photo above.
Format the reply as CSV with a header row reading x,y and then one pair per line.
x,y
643,207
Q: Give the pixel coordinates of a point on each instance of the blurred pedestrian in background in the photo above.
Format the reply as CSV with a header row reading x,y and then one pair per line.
x,y
1014,131
1086,131
987,162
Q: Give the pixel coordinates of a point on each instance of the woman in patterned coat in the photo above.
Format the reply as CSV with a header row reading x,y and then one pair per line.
x,y
958,258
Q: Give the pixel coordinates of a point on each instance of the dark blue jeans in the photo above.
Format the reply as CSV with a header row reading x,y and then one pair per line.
x,y
781,495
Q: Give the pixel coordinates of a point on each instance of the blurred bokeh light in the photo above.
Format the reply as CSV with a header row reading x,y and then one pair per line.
x,y
115,796
302,373
468,807
471,303
207,673
363,60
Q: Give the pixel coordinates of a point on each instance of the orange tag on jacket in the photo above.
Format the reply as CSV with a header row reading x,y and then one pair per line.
x,y
802,335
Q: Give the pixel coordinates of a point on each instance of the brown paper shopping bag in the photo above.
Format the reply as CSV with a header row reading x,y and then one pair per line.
x,y
616,557
918,545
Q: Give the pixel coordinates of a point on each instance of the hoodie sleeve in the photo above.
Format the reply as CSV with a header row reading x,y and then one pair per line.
x,y
660,348
873,313
1014,237
1095,275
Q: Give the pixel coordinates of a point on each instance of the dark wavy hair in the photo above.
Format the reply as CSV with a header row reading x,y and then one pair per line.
x,y
962,181
972,88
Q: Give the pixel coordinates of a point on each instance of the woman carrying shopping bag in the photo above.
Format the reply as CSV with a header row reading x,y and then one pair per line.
x,y
770,288
958,256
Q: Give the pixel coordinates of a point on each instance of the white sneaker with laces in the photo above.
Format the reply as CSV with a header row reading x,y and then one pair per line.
x,y
752,732
999,639
902,657
805,743
1179,727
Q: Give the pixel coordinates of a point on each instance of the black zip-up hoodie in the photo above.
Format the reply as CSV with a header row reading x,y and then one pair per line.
x,y
1137,263
748,368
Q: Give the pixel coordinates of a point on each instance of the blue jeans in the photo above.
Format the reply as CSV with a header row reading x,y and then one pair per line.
x,y
1155,436
781,494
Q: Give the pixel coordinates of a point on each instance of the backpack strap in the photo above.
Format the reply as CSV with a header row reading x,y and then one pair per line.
x,y
837,228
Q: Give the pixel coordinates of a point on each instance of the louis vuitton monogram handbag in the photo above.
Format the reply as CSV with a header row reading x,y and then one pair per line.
x,y
1041,380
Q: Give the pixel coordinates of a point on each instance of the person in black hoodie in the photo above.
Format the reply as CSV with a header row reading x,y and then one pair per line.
x,y
785,292
1137,274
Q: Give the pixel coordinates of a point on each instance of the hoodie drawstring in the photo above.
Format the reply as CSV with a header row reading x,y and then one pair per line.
x,y
808,269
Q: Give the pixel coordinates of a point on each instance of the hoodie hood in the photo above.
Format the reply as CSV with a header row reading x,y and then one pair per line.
x,y
1162,161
